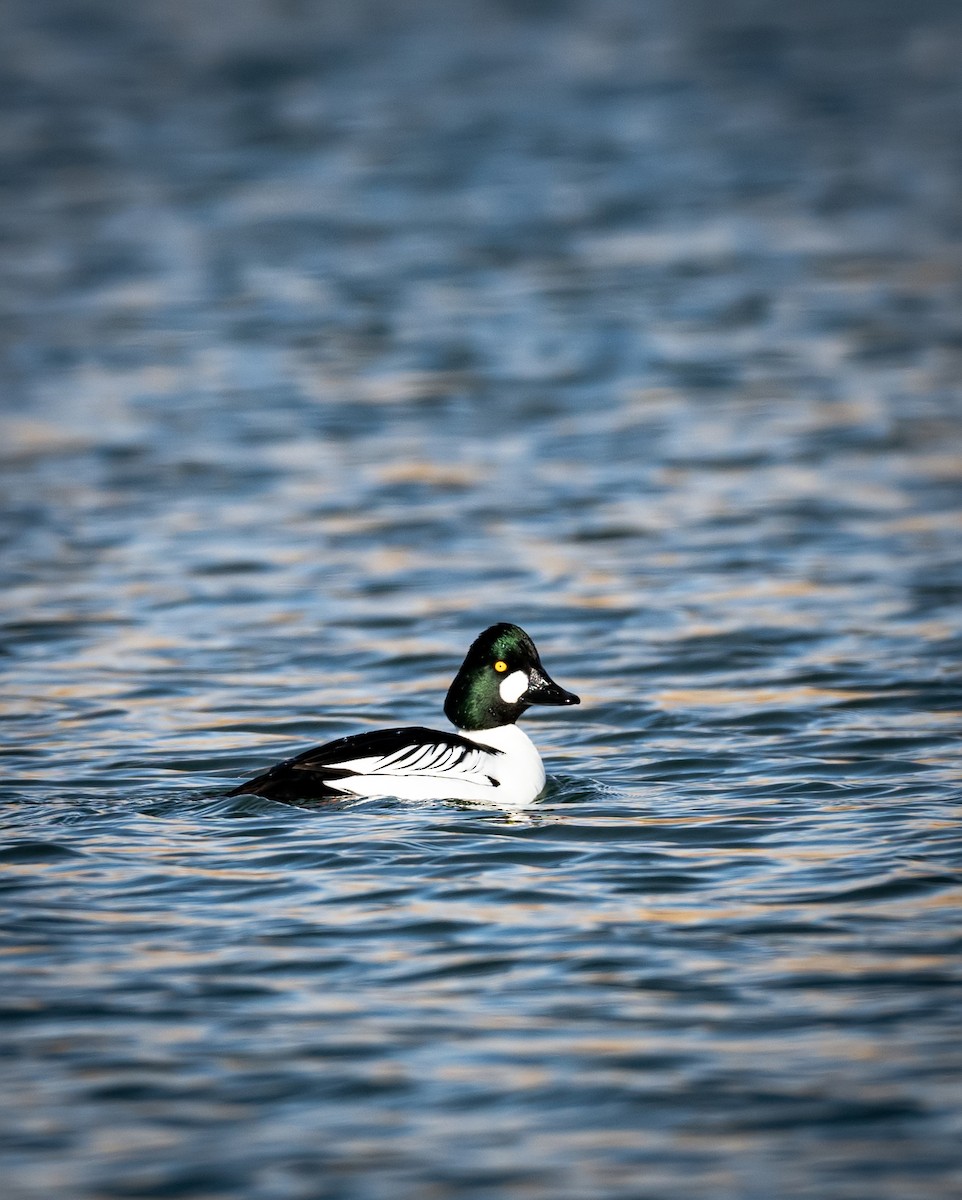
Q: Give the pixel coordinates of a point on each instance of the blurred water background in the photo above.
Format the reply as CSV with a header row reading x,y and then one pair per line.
x,y
333,333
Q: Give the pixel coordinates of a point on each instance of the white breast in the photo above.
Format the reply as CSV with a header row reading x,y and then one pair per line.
x,y
518,768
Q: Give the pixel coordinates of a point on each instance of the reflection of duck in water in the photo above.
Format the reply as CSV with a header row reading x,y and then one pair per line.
x,y
489,760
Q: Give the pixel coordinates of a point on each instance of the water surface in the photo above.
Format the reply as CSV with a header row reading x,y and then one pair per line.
x,y
331,338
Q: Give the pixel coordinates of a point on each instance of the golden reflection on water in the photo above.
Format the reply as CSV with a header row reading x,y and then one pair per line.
x,y
763,697
443,475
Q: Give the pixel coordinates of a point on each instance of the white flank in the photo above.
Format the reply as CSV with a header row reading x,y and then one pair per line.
x,y
421,771
510,779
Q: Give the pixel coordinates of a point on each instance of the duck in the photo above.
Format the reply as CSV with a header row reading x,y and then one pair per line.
x,y
487,759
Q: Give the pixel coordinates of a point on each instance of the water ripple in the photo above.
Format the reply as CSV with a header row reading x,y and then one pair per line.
x,y
329,342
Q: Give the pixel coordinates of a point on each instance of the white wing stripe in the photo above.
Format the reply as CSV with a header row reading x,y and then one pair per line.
x,y
421,759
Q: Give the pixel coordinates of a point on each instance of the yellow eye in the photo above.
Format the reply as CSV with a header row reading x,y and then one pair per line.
x,y
501,666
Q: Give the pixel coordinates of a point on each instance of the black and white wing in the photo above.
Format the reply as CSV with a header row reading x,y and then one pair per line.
x,y
415,751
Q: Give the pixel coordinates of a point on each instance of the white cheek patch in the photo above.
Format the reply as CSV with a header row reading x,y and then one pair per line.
x,y
513,687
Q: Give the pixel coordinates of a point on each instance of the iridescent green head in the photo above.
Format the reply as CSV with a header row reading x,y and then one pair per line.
x,y
500,677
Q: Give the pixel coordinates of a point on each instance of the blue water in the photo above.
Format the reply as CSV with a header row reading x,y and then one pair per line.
x,y
333,334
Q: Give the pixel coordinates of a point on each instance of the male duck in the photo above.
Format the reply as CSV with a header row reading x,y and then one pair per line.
x,y
488,761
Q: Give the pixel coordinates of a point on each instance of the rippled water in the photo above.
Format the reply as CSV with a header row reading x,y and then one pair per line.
x,y
333,335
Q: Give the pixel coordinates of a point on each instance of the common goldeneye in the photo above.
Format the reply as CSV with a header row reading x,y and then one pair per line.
x,y
489,760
